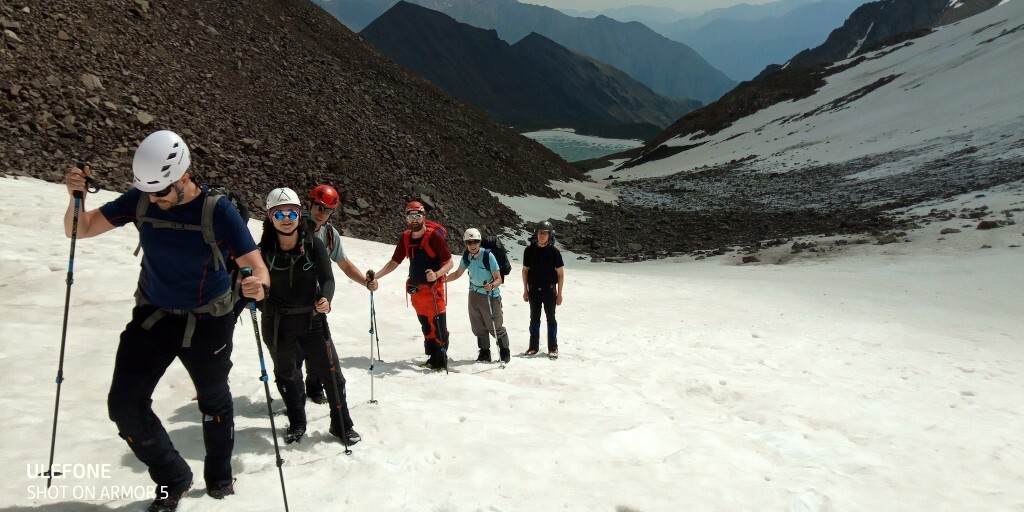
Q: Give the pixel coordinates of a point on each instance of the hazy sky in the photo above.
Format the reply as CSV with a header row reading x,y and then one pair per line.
x,y
681,5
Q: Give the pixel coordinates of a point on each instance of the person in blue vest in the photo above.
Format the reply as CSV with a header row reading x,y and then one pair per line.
x,y
485,313
184,309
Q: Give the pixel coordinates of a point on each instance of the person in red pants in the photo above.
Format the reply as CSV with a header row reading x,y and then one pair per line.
x,y
429,261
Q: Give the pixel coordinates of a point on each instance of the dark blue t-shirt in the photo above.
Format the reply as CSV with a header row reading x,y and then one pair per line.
x,y
178,265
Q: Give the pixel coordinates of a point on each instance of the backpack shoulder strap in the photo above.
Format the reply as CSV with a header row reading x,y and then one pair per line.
x,y
425,242
484,253
140,213
465,258
209,235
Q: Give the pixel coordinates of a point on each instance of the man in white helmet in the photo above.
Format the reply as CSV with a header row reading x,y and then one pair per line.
x,y
184,310
485,313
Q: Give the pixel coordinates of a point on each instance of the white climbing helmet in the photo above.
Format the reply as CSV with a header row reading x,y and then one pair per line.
x,y
471,234
280,196
161,159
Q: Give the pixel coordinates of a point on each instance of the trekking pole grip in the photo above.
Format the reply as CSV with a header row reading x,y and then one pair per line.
x,y
78,193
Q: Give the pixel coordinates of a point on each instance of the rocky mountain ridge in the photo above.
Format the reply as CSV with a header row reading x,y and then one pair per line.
x,y
266,93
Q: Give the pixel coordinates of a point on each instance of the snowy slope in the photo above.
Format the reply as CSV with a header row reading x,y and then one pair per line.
x,y
956,89
885,380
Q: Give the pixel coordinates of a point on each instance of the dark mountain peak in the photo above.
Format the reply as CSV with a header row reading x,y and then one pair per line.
x,y
536,40
533,84
667,67
409,9
408,23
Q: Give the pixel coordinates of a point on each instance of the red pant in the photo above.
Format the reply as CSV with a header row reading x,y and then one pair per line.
x,y
424,300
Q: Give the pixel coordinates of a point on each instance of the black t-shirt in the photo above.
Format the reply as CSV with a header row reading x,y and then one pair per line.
x,y
542,262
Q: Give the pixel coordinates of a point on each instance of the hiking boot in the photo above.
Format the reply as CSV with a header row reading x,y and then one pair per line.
x,y
351,436
219,491
167,501
318,399
553,354
505,354
436,361
167,504
532,351
485,355
294,434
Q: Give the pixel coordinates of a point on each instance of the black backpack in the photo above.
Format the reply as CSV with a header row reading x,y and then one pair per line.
x,y
492,244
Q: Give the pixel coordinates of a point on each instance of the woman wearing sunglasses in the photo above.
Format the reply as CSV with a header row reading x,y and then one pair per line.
x,y
295,315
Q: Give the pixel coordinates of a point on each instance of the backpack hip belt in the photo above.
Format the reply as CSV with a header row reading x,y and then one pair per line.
x,y
278,312
219,306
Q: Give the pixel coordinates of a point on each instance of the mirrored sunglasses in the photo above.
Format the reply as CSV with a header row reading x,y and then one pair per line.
x,y
290,215
414,216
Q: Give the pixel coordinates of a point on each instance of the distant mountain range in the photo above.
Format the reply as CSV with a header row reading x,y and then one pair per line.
x,y
742,39
667,67
535,83
743,48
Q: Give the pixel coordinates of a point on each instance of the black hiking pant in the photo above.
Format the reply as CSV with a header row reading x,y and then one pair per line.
x,y
543,296
313,385
309,334
142,358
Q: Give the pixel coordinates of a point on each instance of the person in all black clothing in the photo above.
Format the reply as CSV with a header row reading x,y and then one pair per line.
x,y
183,310
295,315
542,286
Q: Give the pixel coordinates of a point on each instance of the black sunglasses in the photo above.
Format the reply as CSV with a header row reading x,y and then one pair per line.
x,y
322,208
164,192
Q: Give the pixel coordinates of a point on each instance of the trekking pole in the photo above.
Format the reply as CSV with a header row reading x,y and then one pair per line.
x,y
337,396
64,330
437,316
373,331
246,272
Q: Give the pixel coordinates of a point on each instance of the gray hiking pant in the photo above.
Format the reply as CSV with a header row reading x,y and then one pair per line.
x,y
480,315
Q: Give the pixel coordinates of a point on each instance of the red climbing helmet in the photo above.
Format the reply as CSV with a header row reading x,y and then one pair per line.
x,y
325,195
414,207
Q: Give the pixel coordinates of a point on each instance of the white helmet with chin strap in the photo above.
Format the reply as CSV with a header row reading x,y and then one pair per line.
x,y
161,159
471,234
282,196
